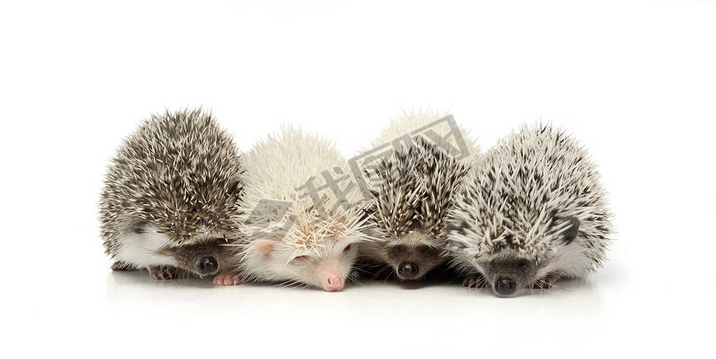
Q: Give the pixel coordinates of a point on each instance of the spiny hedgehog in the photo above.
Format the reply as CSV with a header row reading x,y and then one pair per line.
x,y
534,212
412,193
170,197
318,247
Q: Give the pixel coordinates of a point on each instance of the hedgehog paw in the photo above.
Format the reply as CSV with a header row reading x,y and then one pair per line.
x,y
474,281
163,272
227,278
545,283
122,266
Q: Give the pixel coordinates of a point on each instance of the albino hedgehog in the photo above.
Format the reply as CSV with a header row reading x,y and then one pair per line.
x,y
169,201
410,196
534,212
312,243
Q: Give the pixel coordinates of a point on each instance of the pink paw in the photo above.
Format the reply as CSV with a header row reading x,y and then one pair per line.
x,y
227,279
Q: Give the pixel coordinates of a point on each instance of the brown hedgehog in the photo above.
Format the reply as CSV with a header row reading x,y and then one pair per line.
x,y
169,201
409,202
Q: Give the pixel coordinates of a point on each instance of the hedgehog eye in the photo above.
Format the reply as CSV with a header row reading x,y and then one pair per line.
x,y
522,265
299,260
572,231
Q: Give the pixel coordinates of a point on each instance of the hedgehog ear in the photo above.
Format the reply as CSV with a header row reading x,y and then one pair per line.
x,y
235,187
264,246
137,226
572,230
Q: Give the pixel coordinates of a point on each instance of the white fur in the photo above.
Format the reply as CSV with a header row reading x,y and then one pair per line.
x,y
570,261
141,249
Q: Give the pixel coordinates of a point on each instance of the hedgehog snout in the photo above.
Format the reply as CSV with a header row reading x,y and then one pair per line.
x,y
333,282
408,270
331,275
509,275
505,286
206,265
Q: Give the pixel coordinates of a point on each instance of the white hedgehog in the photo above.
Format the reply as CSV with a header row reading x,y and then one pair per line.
x,y
317,249
170,197
534,213
411,194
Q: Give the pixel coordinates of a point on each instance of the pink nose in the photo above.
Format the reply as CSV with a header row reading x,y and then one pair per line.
x,y
332,283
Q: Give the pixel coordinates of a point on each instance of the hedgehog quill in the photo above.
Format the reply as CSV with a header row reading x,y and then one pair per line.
x,y
535,212
169,202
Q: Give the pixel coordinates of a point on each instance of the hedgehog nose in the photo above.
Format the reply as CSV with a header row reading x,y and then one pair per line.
x,y
408,270
505,286
206,265
333,283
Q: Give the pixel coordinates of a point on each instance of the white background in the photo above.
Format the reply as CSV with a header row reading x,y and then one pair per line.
x,y
634,81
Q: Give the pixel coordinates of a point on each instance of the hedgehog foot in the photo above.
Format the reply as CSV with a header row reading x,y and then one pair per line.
x,y
474,281
164,272
545,283
122,266
227,278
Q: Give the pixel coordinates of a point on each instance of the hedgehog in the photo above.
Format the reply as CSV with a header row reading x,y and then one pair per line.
x,y
411,194
312,241
532,213
170,197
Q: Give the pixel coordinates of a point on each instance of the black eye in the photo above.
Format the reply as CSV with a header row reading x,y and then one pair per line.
x,y
348,248
395,251
428,251
522,265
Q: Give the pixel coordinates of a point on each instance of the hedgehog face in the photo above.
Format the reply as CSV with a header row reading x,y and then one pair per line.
x,y
508,273
145,245
327,267
509,269
207,257
410,257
